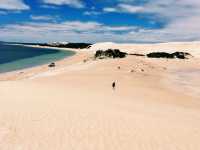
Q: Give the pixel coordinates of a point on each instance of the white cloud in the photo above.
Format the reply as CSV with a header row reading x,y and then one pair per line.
x,y
13,5
173,8
129,8
72,3
124,8
74,31
182,24
182,18
91,13
167,8
110,9
49,6
43,18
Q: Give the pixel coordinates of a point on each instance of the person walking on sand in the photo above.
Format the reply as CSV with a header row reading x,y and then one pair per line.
x,y
113,85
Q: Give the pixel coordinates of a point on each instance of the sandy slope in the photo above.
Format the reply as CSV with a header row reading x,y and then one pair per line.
x,y
74,107
191,47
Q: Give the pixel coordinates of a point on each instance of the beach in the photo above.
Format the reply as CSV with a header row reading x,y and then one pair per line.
x,y
155,105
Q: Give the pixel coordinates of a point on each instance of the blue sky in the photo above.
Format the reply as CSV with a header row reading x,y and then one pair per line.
x,y
99,20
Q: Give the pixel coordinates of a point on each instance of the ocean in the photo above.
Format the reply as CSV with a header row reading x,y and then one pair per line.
x,y
16,57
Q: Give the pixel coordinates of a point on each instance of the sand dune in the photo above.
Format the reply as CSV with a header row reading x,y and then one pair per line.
x,y
74,107
191,47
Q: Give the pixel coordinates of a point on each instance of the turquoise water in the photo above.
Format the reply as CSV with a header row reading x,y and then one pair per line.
x,y
15,57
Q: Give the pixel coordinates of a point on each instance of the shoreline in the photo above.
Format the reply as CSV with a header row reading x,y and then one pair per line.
x,y
32,71
40,65
56,48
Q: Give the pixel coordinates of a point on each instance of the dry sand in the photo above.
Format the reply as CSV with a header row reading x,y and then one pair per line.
x,y
73,106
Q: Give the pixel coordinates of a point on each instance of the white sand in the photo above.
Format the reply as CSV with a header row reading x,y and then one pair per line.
x,y
73,106
191,47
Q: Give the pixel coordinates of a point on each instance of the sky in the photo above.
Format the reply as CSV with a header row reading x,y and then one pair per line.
x,y
124,21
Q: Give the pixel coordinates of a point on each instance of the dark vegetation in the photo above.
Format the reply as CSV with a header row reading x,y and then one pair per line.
x,y
116,53
136,54
69,45
110,53
179,55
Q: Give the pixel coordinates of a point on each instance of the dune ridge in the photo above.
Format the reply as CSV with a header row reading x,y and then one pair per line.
x,y
191,47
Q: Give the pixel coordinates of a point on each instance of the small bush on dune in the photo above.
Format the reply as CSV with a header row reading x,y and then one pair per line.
x,y
179,55
110,53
